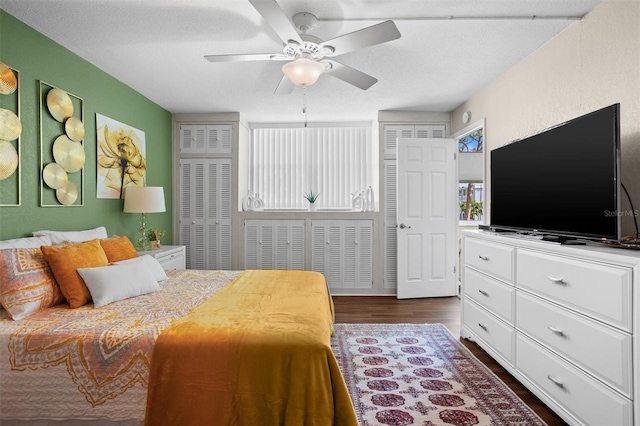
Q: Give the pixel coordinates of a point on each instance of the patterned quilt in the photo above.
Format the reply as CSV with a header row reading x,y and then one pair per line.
x,y
92,363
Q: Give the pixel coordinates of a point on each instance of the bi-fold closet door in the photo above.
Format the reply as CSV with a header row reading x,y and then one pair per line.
x,y
205,212
274,244
205,139
343,252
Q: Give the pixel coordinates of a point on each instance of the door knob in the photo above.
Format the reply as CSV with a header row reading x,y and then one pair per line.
x,y
403,226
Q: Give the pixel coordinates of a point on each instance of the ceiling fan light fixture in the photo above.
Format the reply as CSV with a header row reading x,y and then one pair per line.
x,y
303,71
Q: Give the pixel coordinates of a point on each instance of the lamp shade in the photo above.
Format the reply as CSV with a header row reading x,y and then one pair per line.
x,y
303,71
144,199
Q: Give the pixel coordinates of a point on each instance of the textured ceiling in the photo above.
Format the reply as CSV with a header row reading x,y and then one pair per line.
x,y
448,50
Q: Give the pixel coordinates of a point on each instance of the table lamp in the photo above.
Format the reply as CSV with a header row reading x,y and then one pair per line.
x,y
143,199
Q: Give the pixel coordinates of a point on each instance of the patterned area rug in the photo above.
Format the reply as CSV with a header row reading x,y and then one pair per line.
x,y
419,374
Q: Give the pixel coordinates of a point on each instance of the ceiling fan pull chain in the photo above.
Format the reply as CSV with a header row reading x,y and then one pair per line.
x,y
304,104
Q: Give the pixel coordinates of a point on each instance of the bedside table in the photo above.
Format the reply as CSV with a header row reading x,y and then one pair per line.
x,y
170,257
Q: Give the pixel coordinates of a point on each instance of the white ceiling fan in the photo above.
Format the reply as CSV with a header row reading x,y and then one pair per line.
x,y
307,56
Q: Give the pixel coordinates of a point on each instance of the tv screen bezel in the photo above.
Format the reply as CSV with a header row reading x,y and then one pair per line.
x,y
560,234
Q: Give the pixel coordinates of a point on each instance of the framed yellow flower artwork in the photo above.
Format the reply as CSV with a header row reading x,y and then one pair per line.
x,y
121,157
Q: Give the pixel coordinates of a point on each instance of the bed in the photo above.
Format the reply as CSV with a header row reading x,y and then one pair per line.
x,y
205,347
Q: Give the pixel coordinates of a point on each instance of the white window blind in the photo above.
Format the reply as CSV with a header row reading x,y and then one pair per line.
x,y
287,162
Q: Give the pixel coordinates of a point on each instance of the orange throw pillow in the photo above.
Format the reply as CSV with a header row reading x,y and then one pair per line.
x,y
118,248
64,262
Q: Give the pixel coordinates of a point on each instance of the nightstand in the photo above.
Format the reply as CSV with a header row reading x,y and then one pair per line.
x,y
170,257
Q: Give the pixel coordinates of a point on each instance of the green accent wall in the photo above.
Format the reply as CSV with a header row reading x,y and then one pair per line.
x,y
39,58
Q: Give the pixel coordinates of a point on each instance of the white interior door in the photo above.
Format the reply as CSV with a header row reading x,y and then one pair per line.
x,y
427,217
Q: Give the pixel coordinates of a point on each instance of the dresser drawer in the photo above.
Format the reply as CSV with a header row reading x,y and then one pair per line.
x,y
172,261
584,397
601,350
598,290
494,259
489,328
494,295
173,258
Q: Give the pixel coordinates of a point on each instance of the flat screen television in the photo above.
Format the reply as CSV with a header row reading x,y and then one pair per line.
x,y
563,182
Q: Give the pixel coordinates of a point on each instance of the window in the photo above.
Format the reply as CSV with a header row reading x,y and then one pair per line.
x,y
471,173
471,201
285,163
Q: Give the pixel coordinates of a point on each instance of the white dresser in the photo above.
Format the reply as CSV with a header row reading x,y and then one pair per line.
x,y
561,319
169,257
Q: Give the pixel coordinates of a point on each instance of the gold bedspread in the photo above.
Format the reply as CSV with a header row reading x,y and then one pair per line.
x,y
256,354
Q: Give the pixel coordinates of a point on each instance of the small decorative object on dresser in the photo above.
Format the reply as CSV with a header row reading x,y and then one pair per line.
x,y
154,236
169,257
312,197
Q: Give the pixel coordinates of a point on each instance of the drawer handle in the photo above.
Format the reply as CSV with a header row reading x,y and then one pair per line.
x,y
556,280
556,330
483,257
556,381
482,326
482,292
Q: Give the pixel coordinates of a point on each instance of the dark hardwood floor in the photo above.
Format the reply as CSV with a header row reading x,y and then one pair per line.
x,y
444,310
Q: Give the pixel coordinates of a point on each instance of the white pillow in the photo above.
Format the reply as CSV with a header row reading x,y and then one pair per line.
x,y
58,237
111,283
152,264
27,242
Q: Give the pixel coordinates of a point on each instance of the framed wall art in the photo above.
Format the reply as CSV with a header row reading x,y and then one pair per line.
x,y
62,154
10,131
121,157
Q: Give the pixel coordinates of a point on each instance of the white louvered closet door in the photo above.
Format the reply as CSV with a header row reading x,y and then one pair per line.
x,y
429,131
192,211
205,139
251,238
258,244
342,251
391,135
218,212
219,139
274,244
193,139
205,212
390,225
290,245
326,256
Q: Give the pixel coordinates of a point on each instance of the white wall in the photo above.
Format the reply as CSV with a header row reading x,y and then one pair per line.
x,y
594,63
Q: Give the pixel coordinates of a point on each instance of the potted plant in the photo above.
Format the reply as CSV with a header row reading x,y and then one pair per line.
x,y
312,197
154,236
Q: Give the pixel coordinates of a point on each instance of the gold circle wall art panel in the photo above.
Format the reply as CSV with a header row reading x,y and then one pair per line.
x,y
8,159
74,128
55,176
8,81
68,194
10,126
69,154
59,104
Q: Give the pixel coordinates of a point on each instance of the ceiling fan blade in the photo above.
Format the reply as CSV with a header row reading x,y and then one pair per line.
x,y
285,86
369,36
247,57
351,75
277,20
